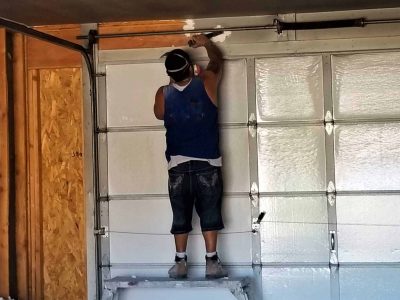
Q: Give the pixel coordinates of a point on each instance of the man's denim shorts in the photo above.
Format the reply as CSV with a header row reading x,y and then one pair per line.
x,y
198,184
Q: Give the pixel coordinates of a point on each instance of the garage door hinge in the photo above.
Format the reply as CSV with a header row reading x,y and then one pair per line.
x,y
252,121
103,231
101,130
104,199
252,125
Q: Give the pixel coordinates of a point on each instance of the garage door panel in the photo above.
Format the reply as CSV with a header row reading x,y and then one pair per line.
x,y
131,89
233,102
291,159
235,159
368,243
232,92
294,243
154,215
366,85
369,209
368,228
296,283
151,216
374,282
294,229
136,163
367,156
142,249
289,88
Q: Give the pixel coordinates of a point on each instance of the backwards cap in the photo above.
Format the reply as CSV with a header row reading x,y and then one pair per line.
x,y
177,62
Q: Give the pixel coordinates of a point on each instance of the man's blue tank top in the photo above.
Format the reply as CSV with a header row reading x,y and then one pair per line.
x,y
191,120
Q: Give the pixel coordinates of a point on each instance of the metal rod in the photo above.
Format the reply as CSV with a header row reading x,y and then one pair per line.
x,y
91,53
173,32
279,26
388,21
21,28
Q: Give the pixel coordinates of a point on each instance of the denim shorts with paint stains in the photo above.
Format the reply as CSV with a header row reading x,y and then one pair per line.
x,y
199,184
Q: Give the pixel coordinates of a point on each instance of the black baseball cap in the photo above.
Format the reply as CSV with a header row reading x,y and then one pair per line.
x,y
177,64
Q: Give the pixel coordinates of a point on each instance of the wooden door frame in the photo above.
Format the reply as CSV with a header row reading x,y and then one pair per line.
x,y
4,170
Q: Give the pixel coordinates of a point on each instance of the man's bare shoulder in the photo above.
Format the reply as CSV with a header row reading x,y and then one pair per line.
x,y
159,103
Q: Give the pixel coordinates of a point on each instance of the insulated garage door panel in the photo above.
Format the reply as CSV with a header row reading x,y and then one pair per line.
x,y
144,249
131,89
294,229
232,93
154,216
142,226
147,216
366,85
372,283
137,164
130,93
232,98
291,159
296,283
289,88
235,159
369,228
367,156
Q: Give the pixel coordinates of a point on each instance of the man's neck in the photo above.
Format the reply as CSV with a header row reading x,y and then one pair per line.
x,y
184,81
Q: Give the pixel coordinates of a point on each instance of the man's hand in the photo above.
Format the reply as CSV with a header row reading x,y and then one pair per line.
x,y
199,40
212,75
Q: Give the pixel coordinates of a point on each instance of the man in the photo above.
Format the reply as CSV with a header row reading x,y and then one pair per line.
x,y
188,106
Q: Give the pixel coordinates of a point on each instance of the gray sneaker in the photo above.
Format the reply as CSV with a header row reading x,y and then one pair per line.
x,y
214,268
179,270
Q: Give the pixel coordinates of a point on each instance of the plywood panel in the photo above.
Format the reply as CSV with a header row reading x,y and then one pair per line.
x,y
20,139
42,54
64,264
4,171
153,41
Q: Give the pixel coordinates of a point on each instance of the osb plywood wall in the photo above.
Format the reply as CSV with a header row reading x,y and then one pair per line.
x,y
56,215
62,184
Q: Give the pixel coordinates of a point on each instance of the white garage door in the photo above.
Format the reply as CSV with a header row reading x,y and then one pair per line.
x,y
138,211
314,140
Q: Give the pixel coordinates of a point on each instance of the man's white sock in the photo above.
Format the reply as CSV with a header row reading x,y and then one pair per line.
x,y
181,254
211,254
